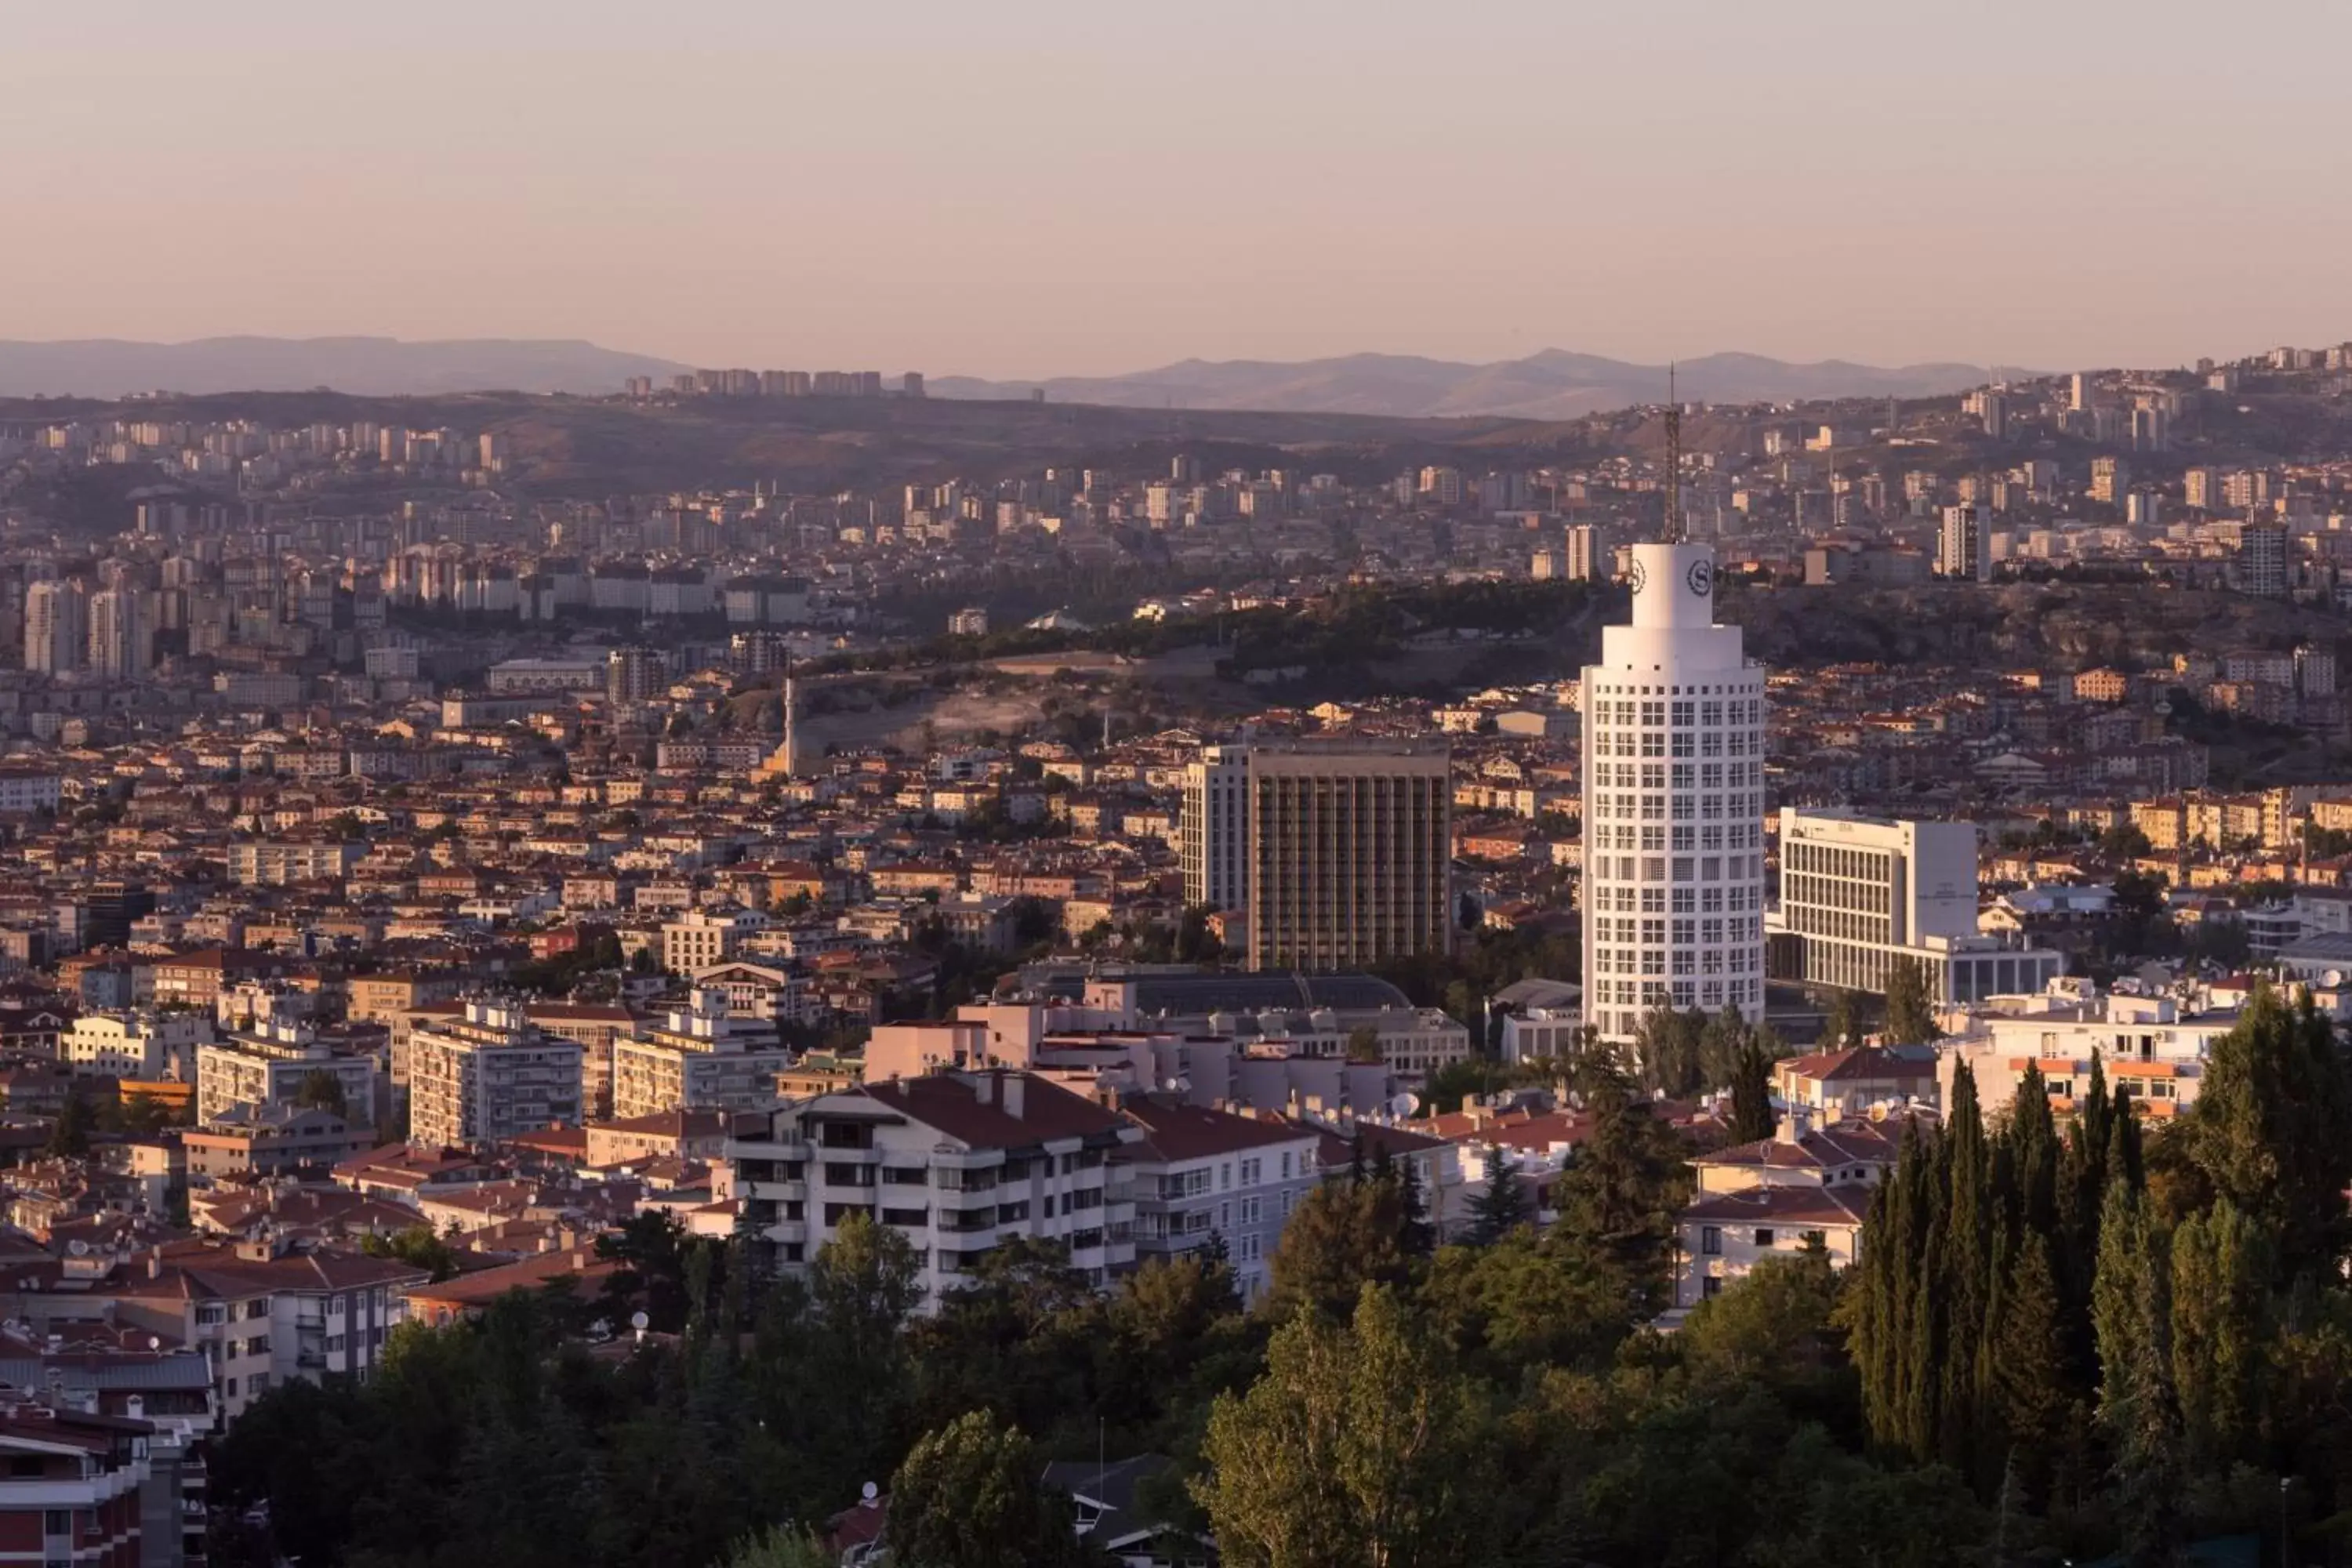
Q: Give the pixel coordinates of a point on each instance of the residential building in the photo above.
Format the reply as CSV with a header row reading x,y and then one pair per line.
x,y
487,1075
275,863
1673,803
1964,547
699,939
1804,1184
698,1059
275,1140
2151,1048
1200,1172
956,1161
268,1065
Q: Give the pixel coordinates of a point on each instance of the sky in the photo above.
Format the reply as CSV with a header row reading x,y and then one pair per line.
x,y
1026,188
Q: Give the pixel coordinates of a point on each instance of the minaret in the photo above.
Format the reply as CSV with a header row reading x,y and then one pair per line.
x,y
790,753
1673,803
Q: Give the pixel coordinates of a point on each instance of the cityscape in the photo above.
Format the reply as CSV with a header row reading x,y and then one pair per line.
x,y
1388,945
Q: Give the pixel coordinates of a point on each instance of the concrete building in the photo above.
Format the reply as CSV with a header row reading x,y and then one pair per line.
x,y
697,1059
1349,858
1776,1197
2152,1048
1673,803
1857,893
699,939
476,1080
634,673
1216,829
957,1163
273,863
1964,547
1202,1172
147,1046
268,1065
121,644
56,633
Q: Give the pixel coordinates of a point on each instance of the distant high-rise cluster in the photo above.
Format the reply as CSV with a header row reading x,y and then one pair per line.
x,y
775,383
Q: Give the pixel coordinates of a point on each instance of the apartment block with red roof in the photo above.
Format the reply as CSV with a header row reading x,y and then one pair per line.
x,y
1202,1173
957,1163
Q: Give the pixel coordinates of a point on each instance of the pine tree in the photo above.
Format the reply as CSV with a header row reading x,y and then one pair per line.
x,y
1504,1206
2030,1378
1416,1236
2270,1131
1910,1012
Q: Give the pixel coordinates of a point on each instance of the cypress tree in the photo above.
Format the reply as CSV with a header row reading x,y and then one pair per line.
x,y
1752,1095
2220,1296
1963,1264
2132,1318
2030,1380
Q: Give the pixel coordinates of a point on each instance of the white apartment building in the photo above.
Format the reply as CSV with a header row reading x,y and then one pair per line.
x,y
1673,803
1200,1174
487,1075
1776,1197
697,1059
954,1162
1859,892
275,863
268,1065
133,1044
2153,1048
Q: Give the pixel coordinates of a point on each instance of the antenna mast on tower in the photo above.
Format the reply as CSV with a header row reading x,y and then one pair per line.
x,y
1673,462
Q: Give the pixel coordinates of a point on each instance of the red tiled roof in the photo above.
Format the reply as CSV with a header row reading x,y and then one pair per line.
x,y
948,1103
1175,1131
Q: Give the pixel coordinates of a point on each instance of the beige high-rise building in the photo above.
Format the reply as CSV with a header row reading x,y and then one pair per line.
x,y
1349,856
488,1076
55,622
1216,829
120,646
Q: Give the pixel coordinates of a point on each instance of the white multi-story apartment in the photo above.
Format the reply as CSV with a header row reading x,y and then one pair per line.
x,y
268,1063
1858,893
487,1075
956,1163
133,1044
697,1059
2153,1048
54,627
273,863
1202,1173
1673,803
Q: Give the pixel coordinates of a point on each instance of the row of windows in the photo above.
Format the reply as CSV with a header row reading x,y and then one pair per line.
x,y
1712,836
1609,743
1679,960
1654,868
1624,899
1680,808
1681,712
1620,996
1618,928
1682,776
1836,860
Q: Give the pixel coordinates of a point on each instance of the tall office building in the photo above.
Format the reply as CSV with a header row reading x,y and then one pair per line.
x,y
1348,860
1857,893
1673,803
121,647
56,632
2080,389
2110,480
1216,829
1964,550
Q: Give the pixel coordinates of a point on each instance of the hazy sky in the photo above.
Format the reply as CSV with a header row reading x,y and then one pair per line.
x,y
1030,187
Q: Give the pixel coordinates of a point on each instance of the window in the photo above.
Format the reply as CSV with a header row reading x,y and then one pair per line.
x,y
1710,1287
1710,1241
1763,1237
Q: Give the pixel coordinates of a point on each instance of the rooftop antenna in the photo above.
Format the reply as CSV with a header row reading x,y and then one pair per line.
x,y
1674,461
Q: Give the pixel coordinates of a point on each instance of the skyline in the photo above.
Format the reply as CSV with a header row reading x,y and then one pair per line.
x,y
1042,190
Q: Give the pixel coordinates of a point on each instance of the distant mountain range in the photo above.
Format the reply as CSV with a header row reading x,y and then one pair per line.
x,y
367,367
1553,385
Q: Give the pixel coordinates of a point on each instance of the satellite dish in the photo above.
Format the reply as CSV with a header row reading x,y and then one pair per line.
x,y
2332,977
639,1322
1404,1106
870,1491
77,1248
154,1342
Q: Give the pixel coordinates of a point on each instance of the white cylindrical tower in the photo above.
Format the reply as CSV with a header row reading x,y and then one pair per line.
x,y
1674,805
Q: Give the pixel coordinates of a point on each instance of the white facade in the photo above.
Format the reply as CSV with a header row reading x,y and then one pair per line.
x,y
1858,892
1216,829
488,1075
1673,803
1964,547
